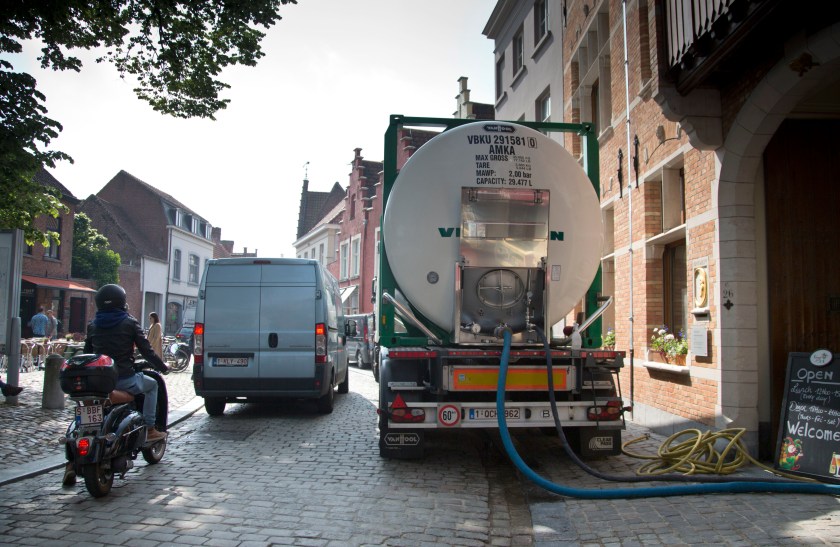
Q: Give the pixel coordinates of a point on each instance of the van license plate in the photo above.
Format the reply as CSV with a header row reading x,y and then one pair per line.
x,y
231,362
89,415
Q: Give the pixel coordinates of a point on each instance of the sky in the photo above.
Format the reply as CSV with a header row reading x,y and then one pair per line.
x,y
333,73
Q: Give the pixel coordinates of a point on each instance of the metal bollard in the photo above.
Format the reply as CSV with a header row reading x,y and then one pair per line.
x,y
52,397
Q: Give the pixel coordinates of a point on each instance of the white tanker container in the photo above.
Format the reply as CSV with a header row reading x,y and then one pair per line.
x,y
484,215
489,227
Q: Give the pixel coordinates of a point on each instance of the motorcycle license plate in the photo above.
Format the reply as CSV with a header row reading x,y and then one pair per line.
x,y
87,415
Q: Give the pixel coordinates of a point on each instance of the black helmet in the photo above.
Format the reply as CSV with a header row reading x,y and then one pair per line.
x,y
110,297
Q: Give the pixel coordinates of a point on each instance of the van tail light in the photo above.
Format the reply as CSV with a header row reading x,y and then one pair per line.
x,y
320,343
198,341
608,412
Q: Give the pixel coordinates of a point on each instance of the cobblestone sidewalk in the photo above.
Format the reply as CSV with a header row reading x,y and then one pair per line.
x,y
30,432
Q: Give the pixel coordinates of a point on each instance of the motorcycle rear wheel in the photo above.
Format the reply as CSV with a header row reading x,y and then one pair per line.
x,y
154,453
98,478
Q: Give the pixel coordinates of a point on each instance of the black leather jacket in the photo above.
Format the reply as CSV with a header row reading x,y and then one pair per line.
x,y
118,341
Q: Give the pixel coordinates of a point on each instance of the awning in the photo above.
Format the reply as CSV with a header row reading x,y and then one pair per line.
x,y
56,283
347,292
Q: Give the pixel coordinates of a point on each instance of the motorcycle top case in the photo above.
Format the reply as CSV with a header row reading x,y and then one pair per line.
x,y
88,375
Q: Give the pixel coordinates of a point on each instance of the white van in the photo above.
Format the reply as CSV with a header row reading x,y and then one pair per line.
x,y
268,328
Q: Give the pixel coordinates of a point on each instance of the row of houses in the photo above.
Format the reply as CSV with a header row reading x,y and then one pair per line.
x,y
162,243
717,123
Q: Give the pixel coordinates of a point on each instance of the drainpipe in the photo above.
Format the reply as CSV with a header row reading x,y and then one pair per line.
x,y
629,198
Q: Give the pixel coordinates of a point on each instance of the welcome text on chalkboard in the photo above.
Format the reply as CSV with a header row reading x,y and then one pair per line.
x,y
809,430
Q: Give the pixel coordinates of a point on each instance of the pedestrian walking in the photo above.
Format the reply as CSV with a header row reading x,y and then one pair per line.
x,y
52,326
39,323
155,335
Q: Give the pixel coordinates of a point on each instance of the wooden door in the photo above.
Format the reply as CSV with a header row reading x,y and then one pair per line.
x,y
803,243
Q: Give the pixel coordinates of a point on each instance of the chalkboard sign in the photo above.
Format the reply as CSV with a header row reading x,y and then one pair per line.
x,y
809,432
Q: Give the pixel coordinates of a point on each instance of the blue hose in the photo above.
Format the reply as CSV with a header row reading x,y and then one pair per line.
x,y
626,493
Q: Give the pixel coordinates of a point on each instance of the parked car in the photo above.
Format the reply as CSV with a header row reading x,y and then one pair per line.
x,y
185,334
360,347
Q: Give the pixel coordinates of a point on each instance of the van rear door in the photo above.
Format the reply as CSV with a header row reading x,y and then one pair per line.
x,y
231,327
288,314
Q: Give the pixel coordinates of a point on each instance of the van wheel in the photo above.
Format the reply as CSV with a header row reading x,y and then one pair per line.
x,y
214,407
344,386
327,401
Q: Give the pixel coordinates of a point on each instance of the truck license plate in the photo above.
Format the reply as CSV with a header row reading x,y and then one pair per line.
x,y
490,413
231,361
88,415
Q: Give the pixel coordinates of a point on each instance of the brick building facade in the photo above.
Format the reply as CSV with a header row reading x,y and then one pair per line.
x,y
712,156
47,278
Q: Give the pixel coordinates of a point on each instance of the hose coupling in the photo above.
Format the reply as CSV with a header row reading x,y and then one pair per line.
x,y
499,331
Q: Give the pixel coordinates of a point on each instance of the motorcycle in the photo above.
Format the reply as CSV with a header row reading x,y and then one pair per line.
x,y
108,431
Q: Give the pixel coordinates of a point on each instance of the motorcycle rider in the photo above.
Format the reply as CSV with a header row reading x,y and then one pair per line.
x,y
115,333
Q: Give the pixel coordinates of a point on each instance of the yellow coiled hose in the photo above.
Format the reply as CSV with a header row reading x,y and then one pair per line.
x,y
693,452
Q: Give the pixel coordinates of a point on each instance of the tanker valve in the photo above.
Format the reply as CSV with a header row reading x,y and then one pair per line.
x,y
473,328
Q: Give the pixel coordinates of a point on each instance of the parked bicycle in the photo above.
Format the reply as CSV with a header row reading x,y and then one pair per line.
x,y
176,354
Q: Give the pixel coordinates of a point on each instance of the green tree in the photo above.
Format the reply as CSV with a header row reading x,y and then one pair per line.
x,y
92,254
175,49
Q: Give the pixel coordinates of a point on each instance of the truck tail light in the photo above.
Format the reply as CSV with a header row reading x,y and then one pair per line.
x,y
320,343
606,413
402,413
198,341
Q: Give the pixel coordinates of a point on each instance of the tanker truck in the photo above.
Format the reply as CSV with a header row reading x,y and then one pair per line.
x,y
492,227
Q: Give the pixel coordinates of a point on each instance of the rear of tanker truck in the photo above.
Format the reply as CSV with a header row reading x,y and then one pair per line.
x,y
490,227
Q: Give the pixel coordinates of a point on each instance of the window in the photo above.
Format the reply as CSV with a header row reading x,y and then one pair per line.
x,y
176,264
321,254
594,100
352,206
675,284
500,69
355,250
544,107
195,226
540,20
53,225
673,198
193,268
518,51
344,257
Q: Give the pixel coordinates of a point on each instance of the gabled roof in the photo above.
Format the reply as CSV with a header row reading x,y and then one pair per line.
x,y
314,205
44,178
162,195
123,236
